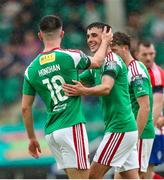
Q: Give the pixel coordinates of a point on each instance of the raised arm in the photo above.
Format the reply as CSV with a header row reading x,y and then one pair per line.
x,y
98,58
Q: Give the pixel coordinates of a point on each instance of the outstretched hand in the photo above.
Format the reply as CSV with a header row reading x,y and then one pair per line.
x,y
74,90
34,148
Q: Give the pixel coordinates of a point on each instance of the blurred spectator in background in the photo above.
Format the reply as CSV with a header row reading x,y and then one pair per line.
x,y
133,26
9,10
30,47
154,24
11,70
153,29
91,13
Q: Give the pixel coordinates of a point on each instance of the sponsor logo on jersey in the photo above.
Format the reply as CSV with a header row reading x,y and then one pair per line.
x,y
47,58
110,65
138,80
60,107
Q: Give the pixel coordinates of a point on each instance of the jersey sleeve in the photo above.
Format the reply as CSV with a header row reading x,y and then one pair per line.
x,y
86,77
140,85
111,68
27,88
83,61
158,89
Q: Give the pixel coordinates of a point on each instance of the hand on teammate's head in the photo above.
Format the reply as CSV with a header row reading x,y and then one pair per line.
x,y
107,35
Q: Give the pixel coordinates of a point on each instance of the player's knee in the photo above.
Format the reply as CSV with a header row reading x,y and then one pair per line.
x,y
94,175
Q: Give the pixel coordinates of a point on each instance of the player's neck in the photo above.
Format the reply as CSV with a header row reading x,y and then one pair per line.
x,y
128,58
108,50
49,45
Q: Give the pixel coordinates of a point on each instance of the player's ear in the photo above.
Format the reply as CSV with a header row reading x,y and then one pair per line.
x,y
62,34
40,36
126,47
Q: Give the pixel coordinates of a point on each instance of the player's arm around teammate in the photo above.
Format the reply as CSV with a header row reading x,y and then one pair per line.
x,y
44,76
111,85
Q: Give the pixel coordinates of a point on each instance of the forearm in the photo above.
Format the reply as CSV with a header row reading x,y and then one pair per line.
x,y
157,106
99,90
157,110
142,118
28,121
99,56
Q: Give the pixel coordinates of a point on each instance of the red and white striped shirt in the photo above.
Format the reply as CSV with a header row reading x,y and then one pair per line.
x,y
156,75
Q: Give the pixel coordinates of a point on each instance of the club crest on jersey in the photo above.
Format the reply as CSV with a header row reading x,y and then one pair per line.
x,y
110,65
138,80
47,58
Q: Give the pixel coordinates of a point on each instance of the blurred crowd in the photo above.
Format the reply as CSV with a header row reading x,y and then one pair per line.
x,y
19,26
18,35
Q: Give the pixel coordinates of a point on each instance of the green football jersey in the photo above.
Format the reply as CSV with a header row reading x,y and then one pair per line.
x,y
140,85
45,75
118,115
91,76
117,109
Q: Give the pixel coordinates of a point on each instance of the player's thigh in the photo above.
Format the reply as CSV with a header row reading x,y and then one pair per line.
x,y
55,149
74,173
73,145
144,151
115,148
131,163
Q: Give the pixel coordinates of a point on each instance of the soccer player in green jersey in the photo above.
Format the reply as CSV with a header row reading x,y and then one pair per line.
x,y
118,147
64,128
146,53
140,90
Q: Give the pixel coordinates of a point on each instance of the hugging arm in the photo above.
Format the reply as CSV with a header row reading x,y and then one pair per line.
x,y
80,90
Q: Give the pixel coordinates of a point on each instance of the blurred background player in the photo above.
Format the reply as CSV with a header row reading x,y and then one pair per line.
x,y
118,147
45,76
141,99
146,53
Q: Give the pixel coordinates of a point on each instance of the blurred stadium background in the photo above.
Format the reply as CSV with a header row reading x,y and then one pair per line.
x,y
19,45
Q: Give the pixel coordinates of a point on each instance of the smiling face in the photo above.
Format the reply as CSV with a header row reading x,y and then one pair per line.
x,y
94,38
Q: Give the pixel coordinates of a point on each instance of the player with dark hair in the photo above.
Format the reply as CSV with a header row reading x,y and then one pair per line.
x,y
65,125
146,53
118,147
141,98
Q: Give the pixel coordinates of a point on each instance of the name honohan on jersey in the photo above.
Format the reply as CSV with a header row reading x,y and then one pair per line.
x,y
49,70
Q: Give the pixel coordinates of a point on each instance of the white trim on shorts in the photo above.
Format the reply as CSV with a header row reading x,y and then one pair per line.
x,y
70,147
144,152
115,149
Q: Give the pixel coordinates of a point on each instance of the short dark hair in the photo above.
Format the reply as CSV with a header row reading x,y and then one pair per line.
x,y
50,23
145,43
98,25
120,38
